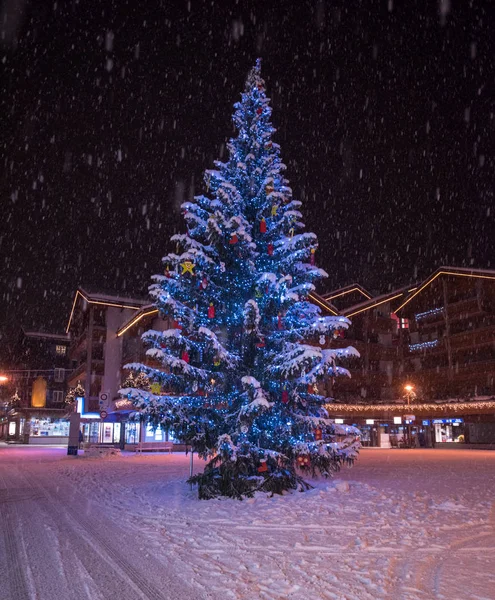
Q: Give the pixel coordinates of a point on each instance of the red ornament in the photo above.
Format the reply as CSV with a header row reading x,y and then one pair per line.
x,y
263,468
263,225
270,249
312,257
285,396
211,311
318,434
167,272
261,343
177,325
234,239
259,111
204,283
185,356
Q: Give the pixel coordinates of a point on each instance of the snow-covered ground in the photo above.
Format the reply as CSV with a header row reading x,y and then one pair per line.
x,y
401,524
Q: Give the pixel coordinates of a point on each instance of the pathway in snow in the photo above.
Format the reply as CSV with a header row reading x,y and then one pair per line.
x,y
400,525
57,543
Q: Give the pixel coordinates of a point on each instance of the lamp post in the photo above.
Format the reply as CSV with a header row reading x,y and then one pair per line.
x,y
410,395
3,403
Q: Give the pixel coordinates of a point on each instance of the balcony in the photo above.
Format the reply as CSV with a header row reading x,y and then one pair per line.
x,y
472,371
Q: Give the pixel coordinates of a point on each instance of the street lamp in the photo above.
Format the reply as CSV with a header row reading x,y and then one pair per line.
x,y
3,378
410,397
410,393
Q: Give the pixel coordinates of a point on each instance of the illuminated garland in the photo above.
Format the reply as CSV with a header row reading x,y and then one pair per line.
x,y
428,313
423,346
401,409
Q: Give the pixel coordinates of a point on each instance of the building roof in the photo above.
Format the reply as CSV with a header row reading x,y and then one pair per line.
x,y
397,294
323,303
450,271
348,289
119,301
101,296
144,311
62,337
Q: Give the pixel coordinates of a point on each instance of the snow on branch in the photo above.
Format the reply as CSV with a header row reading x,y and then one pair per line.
x,y
211,340
258,402
252,316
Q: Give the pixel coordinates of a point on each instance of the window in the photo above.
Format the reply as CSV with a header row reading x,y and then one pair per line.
x,y
57,396
404,324
59,375
61,350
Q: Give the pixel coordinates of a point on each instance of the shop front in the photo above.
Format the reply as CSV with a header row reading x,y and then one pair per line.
x,y
447,430
38,426
443,425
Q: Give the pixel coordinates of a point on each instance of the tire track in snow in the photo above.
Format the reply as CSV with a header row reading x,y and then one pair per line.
x,y
62,508
13,556
428,575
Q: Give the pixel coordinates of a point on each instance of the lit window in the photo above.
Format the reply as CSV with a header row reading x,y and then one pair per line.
x,y
404,323
61,350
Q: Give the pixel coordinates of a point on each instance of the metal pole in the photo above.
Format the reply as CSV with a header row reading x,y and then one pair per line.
x,y
191,464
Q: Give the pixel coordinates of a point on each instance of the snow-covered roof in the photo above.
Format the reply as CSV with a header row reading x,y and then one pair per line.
x,y
348,289
453,271
120,301
94,296
320,301
63,337
144,311
355,309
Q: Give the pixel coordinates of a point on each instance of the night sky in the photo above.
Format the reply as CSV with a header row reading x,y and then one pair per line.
x,y
111,111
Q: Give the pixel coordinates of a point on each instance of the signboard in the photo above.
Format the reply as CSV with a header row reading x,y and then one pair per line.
x,y
104,400
103,414
409,417
442,421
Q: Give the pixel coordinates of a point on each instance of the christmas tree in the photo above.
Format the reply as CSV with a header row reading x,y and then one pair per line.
x,y
235,374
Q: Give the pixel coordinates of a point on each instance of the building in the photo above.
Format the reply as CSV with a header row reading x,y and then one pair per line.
x,y
40,381
436,338
96,357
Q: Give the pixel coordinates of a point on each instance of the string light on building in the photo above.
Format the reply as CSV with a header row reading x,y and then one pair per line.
x,y
423,346
479,407
428,313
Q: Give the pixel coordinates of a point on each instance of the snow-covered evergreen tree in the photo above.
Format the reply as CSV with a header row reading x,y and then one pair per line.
x,y
239,366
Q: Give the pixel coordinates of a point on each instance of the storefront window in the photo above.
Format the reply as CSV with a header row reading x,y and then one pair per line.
x,y
154,435
132,431
448,430
116,433
49,428
106,433
90,432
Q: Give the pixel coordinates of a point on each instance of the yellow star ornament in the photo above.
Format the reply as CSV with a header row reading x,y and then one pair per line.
x,y
187,267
